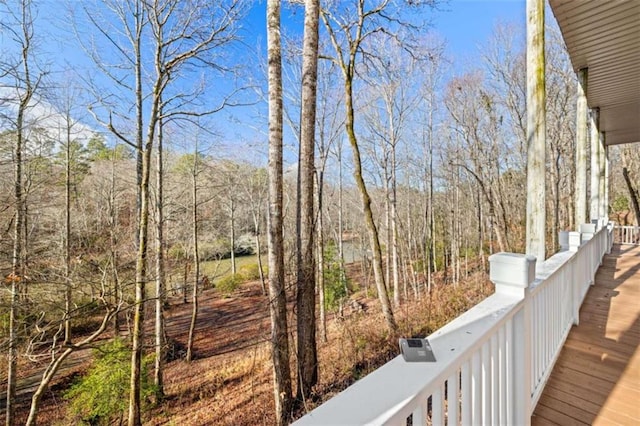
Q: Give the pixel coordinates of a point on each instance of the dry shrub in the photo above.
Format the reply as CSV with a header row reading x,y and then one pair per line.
x,y
360,344
227,390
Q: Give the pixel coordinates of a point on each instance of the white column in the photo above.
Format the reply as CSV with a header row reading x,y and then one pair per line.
x,y
581,150
536,131
594,139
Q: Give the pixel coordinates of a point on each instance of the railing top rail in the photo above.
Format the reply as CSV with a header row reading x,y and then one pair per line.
x,y
393,388
627,234
393,391
555,263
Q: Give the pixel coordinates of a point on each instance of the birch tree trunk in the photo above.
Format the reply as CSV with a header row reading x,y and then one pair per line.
x,y
306,297
277,295
143,160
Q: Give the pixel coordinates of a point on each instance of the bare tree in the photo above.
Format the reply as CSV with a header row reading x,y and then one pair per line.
x,y
629,157
560,112
231,177
75,167
195,171
158,377
330,127
183,36
386,116
24,79
58,357
432,79
277,296
306,285
255,189
347,33
473,110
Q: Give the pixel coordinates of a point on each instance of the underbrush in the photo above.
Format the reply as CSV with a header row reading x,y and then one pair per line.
x,y
361,344
237,389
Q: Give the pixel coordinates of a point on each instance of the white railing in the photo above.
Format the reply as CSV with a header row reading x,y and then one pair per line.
x,y
493,361
626,235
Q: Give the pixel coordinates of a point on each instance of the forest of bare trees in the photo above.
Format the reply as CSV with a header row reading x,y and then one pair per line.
x,y
117,187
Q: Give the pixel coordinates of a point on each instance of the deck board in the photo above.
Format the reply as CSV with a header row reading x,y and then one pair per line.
x,y
596,379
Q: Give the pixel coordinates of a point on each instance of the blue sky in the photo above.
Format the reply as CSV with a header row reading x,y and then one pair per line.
x,y
467,23
463,24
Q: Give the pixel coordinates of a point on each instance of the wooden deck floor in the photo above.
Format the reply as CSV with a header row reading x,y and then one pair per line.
x,y
597,377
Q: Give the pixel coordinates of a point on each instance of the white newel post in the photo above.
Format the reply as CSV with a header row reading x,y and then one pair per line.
x,y
512,275
587,230
610,228
578,274
563,240
575,239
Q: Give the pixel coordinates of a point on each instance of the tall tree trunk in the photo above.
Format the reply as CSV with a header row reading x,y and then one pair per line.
x,y
141,278
259,256
196,255
113,255
633,194
480,230
160,276
394,227
16,276
433,264
306,296
343,278
17,260
378,272
67,236
320,255
232,224
387,227
346,59
556,203
142,179
277,295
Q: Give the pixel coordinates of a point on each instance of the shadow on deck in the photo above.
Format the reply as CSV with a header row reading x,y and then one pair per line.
x,y
596,379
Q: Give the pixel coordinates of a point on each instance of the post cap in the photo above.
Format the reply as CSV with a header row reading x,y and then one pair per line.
x,y
511,270
589,228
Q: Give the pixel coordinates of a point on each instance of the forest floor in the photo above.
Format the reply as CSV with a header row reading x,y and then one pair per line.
x,y
229,382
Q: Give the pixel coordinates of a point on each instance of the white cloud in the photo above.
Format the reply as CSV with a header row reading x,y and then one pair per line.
x,y
41,115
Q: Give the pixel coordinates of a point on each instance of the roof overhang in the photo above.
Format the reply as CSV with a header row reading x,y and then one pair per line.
x,y
604,37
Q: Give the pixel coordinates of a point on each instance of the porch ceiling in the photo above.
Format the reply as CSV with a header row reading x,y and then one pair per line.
x,y
604,36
